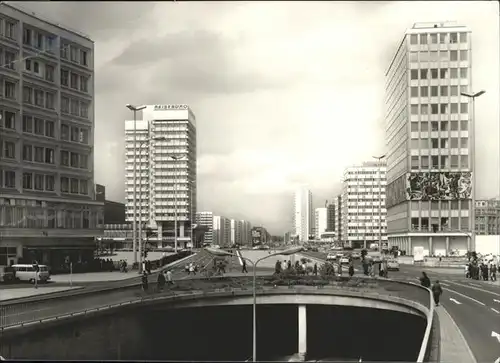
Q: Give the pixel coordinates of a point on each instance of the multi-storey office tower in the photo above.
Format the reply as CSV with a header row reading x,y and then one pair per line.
x,y
429,168
48,210
363,204
303,220
165,182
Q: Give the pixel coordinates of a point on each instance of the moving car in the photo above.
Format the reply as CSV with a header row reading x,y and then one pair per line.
x,y
355,255
331,257
393,265
344,260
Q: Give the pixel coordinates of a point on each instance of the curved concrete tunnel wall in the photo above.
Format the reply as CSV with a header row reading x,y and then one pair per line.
x,y
120,334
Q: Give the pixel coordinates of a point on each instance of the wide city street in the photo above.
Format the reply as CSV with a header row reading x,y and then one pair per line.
x,y
474,305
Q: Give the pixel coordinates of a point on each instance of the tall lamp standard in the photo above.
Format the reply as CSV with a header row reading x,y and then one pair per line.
x,y
379,159
222,253
134,109
175,158
472,97
139,241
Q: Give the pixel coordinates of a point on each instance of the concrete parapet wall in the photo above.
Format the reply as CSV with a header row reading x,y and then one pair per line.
x,y
115,331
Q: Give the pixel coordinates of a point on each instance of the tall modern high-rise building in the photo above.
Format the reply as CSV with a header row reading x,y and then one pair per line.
x,y
165,183
222,231
320,221
330,217
428,137
303,219
246,233
48,207
206,219
338,212
240,232
363,204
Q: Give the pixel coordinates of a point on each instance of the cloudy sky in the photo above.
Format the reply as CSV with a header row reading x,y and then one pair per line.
x,y
285,93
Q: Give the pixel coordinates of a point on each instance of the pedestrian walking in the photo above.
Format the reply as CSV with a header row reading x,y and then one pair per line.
x,y
425,281
437,291
315,269
170,280
144,281
244,267
351,269
161,281
493,272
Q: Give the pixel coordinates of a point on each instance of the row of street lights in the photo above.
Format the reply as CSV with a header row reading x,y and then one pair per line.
x,y
223,253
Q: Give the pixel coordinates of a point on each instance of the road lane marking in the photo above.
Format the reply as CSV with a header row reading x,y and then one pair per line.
x,y
495,310
473,284
444,284
475,288
494,334
497,301
455,301
467,297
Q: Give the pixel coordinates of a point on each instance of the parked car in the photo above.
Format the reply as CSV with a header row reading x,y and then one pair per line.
x,y
355,255
26,272
6,274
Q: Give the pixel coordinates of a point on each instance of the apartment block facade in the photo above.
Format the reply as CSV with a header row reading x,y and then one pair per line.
x,y
488,217
48,207
221,231
240,232
320,222
428,137
363,204
206,219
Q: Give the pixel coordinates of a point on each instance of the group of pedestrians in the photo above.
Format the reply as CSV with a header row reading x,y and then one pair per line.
x,y
164,278
481,271
298,267
436,289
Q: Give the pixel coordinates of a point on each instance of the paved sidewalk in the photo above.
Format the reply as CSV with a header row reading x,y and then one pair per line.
x,y
9,294
454,347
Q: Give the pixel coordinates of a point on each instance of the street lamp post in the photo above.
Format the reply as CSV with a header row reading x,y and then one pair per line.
x,y
134,109
139,241
379,158
287,252
472,97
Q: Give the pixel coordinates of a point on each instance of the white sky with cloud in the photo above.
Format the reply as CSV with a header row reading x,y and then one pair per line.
x,y
285,93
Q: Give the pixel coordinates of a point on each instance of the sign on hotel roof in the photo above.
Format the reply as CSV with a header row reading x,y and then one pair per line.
x,y
170,107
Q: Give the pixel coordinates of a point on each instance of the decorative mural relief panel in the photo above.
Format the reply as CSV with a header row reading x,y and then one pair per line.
x,y
438,186
396,192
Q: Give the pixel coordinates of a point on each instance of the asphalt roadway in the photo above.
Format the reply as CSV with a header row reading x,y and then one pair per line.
x,y
474,305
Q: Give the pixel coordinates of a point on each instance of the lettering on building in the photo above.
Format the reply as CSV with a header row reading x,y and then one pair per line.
x,y
170,107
